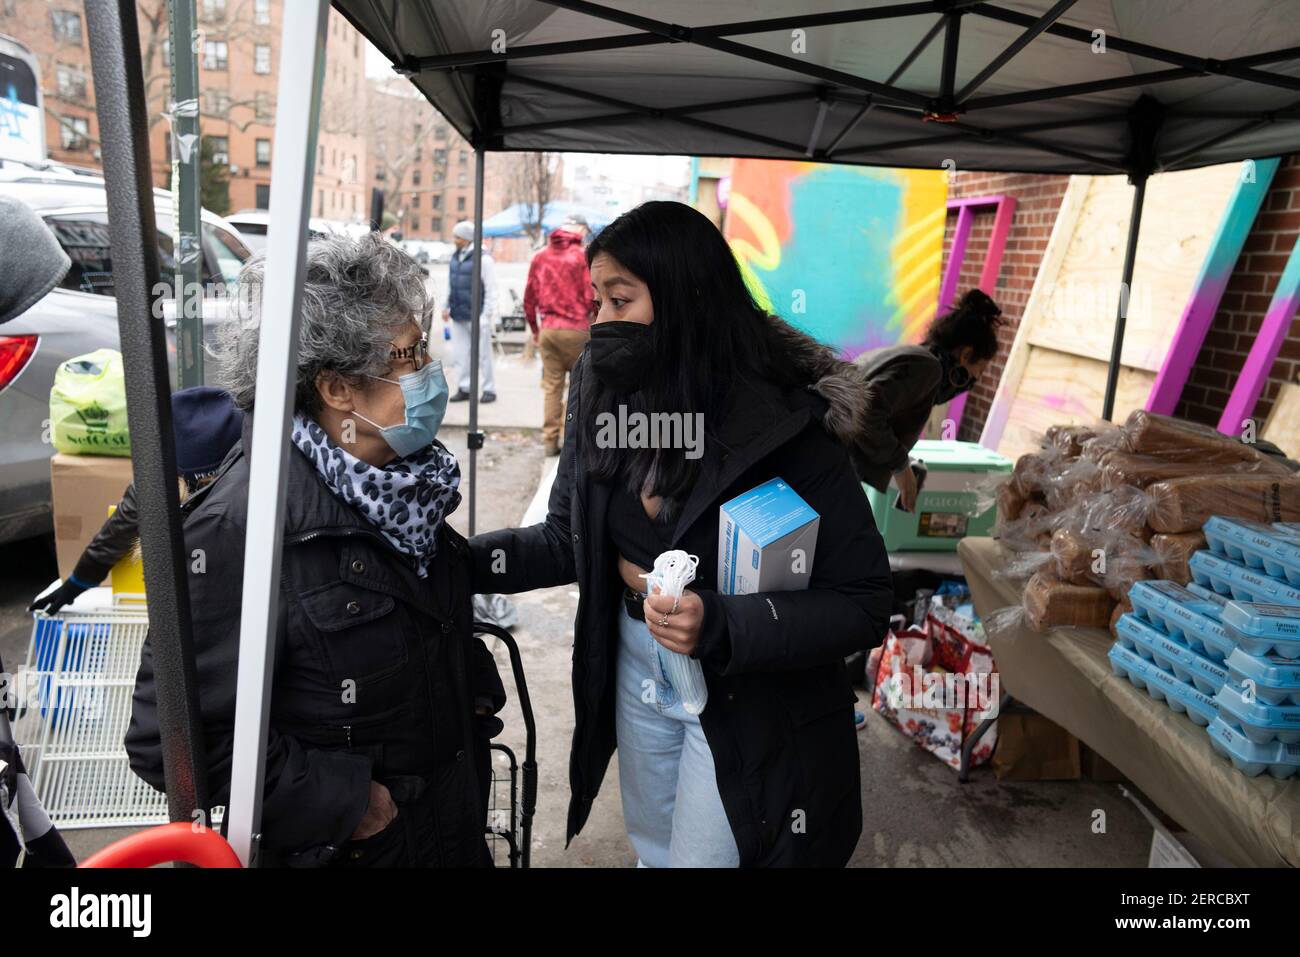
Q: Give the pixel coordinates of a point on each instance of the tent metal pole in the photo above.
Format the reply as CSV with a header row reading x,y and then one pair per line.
x,y
124,137
474,439
302,73
1126,284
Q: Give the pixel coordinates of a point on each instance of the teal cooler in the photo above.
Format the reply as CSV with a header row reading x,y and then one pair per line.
x,y
948,508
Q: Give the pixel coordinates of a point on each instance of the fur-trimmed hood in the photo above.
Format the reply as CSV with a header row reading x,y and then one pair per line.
x,y
841,384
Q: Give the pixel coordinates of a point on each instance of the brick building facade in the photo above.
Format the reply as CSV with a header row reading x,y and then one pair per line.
x,y
1238,320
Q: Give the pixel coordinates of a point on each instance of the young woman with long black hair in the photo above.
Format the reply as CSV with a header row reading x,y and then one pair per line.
x,y
768,773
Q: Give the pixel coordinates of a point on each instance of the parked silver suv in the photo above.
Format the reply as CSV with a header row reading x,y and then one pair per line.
x,y
79,316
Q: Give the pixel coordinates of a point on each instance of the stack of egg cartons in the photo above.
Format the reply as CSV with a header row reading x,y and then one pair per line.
x,y
1258,565
1217,648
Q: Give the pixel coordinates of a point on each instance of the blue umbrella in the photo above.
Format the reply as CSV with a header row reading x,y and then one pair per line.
x,y
510,221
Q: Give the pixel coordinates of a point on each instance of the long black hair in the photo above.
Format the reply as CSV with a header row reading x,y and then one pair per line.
x,y
973,322
707,334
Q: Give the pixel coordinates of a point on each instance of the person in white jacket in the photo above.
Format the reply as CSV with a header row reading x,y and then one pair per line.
x,y
459,311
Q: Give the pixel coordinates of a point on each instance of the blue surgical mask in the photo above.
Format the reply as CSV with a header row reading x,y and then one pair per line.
x,y
425,396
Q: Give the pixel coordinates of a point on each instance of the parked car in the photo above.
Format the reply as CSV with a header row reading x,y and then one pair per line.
x,y
253,224
77,317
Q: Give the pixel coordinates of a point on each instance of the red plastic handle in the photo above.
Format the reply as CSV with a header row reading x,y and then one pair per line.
x,y
177,841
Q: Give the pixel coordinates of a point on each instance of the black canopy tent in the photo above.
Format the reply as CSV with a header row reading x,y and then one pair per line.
x,y
1075,86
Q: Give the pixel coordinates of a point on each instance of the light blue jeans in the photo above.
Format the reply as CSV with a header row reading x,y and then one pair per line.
x,y
671,807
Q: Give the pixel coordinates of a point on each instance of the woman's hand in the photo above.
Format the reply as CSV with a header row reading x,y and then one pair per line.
x,y
906,482
379,814
682,631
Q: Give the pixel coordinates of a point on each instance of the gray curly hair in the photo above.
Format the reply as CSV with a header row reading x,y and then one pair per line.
x,y
356,295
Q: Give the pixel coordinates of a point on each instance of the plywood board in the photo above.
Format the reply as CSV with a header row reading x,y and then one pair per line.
x,y
1057,388
1067,216
1181,215
1283,425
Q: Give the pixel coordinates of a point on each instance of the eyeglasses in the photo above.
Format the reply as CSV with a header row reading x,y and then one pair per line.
x,y
417,352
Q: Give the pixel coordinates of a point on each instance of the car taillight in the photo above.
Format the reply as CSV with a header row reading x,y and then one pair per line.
x,y
15,353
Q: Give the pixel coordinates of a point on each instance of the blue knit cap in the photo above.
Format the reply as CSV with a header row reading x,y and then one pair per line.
x,y
206,425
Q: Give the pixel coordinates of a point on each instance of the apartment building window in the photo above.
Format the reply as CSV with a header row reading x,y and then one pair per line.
x,y
380,173
216,102
460,179
262,106
440,133
437,201
415,223
261,12
220,149
464,157
215,53
262,58
354,203
415,201
74,132
415,177
437,177
419,155
263,196
435,224
320,202
263,152
67,26
460,204
440,156
214,10
71,82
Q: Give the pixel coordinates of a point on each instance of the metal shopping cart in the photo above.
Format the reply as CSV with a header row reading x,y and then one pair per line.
x,y
512,794
74,706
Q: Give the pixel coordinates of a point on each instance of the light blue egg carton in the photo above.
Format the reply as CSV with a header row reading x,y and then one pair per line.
x,y
1244,584
1274,549
1167,605
1211,596
1171,655
1162,685
1251,758
1195,625
1259,722
1263,628
1273,679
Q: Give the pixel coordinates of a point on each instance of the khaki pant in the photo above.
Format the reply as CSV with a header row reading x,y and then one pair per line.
x,y
560,349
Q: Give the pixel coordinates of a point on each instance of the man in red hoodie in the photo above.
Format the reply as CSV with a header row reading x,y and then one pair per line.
x,y
558,297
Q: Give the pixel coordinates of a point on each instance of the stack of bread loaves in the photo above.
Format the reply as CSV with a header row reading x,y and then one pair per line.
x,y
1100,507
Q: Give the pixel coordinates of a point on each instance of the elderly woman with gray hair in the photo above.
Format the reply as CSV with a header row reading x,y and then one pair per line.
x,y
383,699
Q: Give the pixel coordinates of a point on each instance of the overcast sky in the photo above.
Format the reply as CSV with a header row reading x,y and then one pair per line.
x,y
671,170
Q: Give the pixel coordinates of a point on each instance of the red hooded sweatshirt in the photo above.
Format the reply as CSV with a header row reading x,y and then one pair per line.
x,y
558,292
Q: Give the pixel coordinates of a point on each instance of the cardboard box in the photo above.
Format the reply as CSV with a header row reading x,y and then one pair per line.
x,y
84,488
766,541
1033,748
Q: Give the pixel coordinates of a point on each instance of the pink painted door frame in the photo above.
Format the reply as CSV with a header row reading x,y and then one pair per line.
x,y
1004,211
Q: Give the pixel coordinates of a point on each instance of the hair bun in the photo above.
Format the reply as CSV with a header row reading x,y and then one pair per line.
x,y
978,303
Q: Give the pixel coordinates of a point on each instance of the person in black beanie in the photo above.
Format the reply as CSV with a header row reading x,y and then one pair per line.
x,y
207,425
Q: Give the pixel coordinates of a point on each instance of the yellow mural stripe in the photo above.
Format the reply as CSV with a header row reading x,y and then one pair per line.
x,y
767,255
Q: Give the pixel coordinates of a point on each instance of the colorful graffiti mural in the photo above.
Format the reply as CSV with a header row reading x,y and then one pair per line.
x,y
851,254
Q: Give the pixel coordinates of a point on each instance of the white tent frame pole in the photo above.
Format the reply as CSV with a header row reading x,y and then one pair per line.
x,y
302,72
476,309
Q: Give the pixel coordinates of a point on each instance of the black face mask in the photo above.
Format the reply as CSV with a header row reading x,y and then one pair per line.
x,y
956,377
621,354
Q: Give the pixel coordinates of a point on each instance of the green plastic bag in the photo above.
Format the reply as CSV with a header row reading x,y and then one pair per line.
x,y
88,406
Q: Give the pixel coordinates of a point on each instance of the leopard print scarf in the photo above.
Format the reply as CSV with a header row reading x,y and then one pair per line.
x,y
406,500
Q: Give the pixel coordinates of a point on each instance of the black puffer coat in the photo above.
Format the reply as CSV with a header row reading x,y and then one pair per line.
x,y
376,675
780,715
